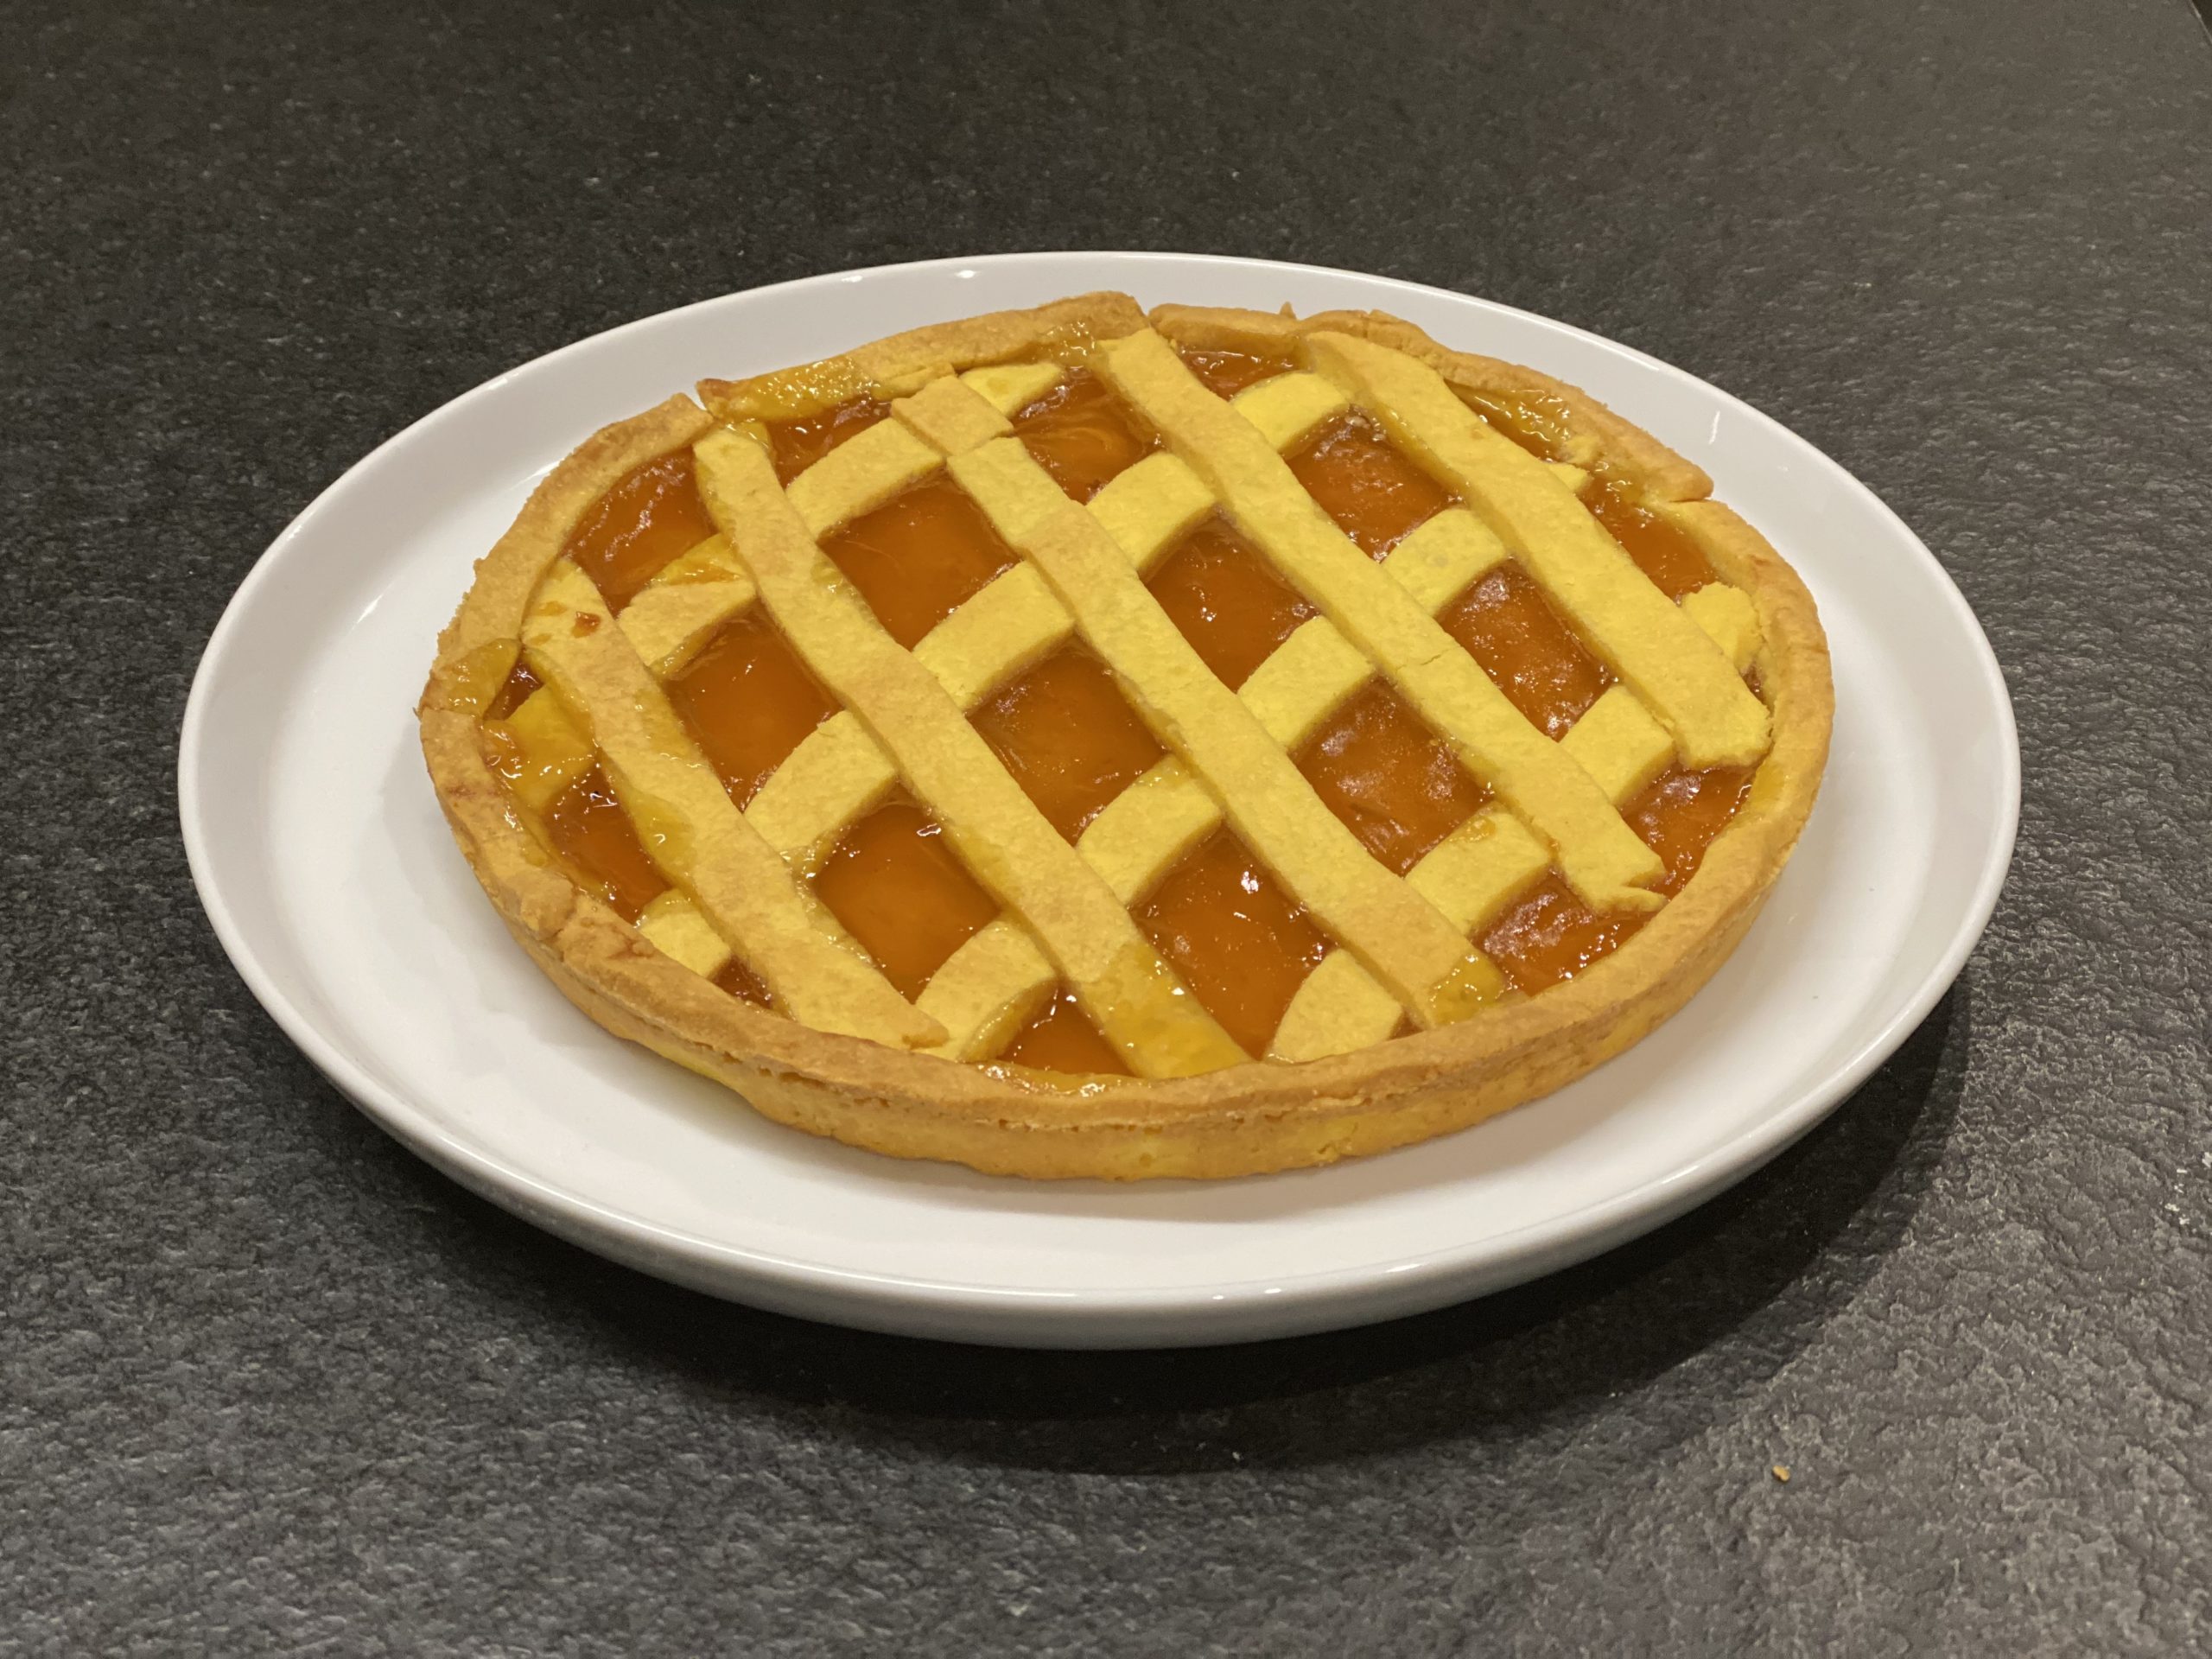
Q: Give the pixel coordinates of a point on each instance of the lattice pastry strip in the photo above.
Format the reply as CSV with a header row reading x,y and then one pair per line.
x,y
1605,861
988,986
1138,838
679,610
1682,681
1141,835
1474,874
835,776
696,836
840,771
672,616
837,772
1405,941
1130,994
586,738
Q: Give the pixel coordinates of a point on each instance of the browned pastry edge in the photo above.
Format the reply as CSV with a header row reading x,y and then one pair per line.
x,y
899,363
1244,1120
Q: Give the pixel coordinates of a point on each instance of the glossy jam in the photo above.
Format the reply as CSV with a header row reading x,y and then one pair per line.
x,y
1080,434
898,853
1538,422
1034,723
653,515
1508,627
1676,563
519,685
1395,783
794,445
1551,936
592,834
1680,813
1363,482
749,702
1227,373
1059,1037
1227,600
1242,944
744,984
919,558
1068,734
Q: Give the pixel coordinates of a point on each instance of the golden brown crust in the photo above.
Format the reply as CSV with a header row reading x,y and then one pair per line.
x,y
477,651
1244,1120
902,362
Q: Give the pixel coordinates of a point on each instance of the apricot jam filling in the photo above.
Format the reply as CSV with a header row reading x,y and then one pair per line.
x,y
591,832
1029,723
1059,1037
744,984
1080,433
748,702
653,515
902,892
1362,481
919,557
1395,783
1241,943
584,823
794,445
1227,600
519,685
1068,734
1508,627
1226,374
1663,551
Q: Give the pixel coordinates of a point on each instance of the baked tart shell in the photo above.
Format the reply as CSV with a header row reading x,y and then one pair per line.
x,y
1245,1119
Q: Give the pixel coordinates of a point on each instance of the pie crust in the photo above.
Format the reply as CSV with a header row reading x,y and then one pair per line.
x,y
1478,1052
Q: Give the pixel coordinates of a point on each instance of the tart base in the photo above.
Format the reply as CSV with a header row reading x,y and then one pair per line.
x,y
1247,1119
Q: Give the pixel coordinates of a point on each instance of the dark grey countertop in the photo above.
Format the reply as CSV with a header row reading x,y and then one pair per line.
x,y
266,1383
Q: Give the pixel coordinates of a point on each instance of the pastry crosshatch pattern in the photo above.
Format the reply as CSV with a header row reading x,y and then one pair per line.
x,y
1147,706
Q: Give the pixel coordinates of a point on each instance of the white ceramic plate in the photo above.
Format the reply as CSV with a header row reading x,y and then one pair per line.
x,y
328,874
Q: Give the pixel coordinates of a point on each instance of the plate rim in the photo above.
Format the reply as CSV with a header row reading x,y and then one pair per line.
x,y
1335,1297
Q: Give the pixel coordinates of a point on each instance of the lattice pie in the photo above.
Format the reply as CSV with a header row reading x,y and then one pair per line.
x,y
1076,742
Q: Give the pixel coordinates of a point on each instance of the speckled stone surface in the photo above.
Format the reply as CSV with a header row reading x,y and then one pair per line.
x,y
266,1383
